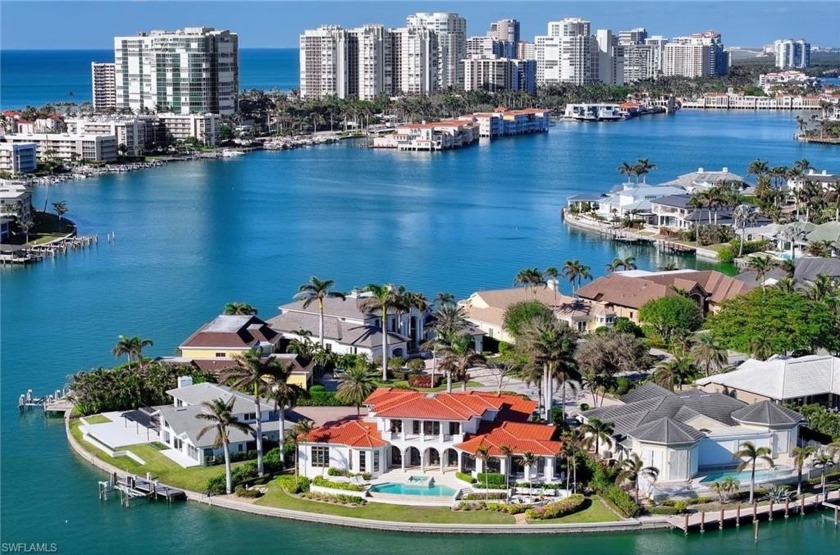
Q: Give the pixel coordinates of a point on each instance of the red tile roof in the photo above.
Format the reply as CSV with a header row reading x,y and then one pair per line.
x,y
520,437
402,403
350,432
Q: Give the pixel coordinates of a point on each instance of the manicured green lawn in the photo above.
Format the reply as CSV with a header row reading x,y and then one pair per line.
x,y
277,497
97,419
162,468
595,511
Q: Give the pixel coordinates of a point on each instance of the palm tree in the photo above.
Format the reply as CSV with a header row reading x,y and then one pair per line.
x,y
382,297
731,486
800,455
575,272
299,432
529,459
708,354
26,227
613,266
761,265
482,452
823,461
61,209
643,168
718,488
823,288
507,453
571,445
318,290
752,453
633,468
218,413
459,356
252,374
530,278
132,347
240,309
550,345
355,385
627,169
284,394
744,214
594,432
675,372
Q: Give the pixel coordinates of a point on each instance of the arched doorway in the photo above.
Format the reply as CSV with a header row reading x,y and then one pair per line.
x,y
432,457
396,457
467,462
450,459
412,457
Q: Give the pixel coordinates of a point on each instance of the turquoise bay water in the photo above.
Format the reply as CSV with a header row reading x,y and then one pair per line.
x,y
407,489
192,236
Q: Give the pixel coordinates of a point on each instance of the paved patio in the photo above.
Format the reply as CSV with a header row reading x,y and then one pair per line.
x,y
120,431
178,457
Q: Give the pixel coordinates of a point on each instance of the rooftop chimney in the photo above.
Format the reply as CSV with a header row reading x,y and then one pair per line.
x,y
184,381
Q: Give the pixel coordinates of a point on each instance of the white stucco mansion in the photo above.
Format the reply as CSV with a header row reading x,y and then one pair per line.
x,y
434,433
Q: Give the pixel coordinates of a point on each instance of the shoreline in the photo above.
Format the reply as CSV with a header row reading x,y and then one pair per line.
x,y
604,229
225,502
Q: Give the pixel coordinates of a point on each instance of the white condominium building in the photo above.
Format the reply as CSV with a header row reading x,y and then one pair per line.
x,y
792,53
499,74
104,86
130,131
633,36
418,61
188,71
567,54
18,157
451,34
610,58
697,55
327,56
69,147
505,30
640,62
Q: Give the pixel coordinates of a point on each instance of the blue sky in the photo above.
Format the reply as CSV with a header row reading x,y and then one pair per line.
x,y
35,24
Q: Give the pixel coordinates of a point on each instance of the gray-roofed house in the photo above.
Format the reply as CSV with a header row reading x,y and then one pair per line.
x,y
180,428
687,433
805,270
350,330
799,380
702,180
677,212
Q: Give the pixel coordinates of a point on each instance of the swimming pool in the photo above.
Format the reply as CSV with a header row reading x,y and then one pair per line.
x,y
744,476
405,489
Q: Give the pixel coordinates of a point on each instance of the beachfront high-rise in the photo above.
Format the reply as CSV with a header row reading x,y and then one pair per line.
x,y
188,71
103,85
792,54
697,55
326,63
451,36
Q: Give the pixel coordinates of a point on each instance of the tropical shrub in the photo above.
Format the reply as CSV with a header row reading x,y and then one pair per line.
x,y
324,483
726,254
339,499
416,365
557,509
294,485
396,363
821,420
240,491
216,485
424,380
491,479
619,500
465,477
484,496
509,508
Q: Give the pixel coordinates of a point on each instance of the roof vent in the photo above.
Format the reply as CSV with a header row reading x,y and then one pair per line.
x,y
430,395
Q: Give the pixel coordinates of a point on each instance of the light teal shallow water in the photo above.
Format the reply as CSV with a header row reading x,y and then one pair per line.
x,y
744,476
193,236
406,489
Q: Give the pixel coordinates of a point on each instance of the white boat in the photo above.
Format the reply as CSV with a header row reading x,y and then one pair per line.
x,y
230,153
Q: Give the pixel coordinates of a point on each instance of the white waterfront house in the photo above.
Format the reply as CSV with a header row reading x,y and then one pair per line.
x,y
632,198
686,433
434,433
180,427
348,329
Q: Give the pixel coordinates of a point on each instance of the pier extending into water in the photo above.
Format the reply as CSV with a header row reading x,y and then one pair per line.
x,y
700,521
133,487
57,403
36,253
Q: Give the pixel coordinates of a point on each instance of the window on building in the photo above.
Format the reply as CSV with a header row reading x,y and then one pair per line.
x,y
320,456
375,455
454,428
415,427
362,461
220,355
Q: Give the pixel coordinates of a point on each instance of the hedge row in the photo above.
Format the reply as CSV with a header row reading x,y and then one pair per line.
x,y
353,500
465,477
347,486
619,500
557,509
294,485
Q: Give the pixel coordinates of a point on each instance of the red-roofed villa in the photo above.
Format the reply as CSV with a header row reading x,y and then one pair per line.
x,y
439,433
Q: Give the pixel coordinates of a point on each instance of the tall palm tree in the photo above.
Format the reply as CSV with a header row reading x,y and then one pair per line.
x,y
459,356
284,394
482,453
749,454
707,353
571,445
355,385
628,170
823,288
761,265
614,266
137,346
251,373
758,168
132,347
529,459
218,413
299,432
596,431
550,345
382,298
530,278
551,273
800,455
61,209
240,309
824,460
744,214
26,227
644,167
507,453
318,290
575,272
633,468
675,372
443,298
